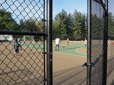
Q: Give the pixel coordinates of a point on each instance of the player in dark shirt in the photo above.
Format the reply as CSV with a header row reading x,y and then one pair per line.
x,y
16,47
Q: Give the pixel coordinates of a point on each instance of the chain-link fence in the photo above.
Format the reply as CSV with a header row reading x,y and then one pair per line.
x,y
110,64
22,48
97,41
22,15
97,22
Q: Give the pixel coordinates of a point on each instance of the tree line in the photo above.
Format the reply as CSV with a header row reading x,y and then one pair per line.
x,y
73,26
8,23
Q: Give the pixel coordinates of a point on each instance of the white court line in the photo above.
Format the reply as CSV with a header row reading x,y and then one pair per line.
x,y
70,54
66,53
73,54
110,57
78,51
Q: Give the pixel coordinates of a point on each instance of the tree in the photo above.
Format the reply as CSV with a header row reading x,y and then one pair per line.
x,y
30,25
110,24
22,25
78,28
33,26
86,28
69,24
61,24
40,26
56,27
61,21
97,27
6,21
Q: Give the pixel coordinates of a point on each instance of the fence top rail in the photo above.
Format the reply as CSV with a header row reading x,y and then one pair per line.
x,y
22,33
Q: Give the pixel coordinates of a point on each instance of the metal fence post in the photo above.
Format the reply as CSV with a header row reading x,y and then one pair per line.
x,y
49,43
105,36
89,45
44,38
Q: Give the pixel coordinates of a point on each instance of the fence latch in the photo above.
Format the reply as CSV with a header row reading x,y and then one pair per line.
x,y
88,65
44,52
44,20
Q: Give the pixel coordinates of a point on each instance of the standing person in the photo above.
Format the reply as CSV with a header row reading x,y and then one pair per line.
x,y
85,42
19,42
16,48
57,42
67,41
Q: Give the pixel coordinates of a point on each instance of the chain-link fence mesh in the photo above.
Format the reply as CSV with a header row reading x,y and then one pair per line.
x,y
97,22
24,15
110,64
22,62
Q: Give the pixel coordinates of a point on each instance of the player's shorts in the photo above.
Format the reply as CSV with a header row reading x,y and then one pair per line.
x,y
85,44
19,45
57,45
16,50
67,41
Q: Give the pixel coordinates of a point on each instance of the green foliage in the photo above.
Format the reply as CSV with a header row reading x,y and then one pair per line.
x,y
60,19
78,28
6,21
64,24
33,26
110,24
69,24
28,25
56,27
75,25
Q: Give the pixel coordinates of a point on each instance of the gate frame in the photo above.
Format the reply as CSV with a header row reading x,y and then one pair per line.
x,y
89,44
46,36
49,44
105,38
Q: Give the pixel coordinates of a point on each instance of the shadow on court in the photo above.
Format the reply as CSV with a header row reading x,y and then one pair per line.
x,y
71,76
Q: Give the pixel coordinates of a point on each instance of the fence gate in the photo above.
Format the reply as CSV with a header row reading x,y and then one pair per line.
x,y
24,19
97,42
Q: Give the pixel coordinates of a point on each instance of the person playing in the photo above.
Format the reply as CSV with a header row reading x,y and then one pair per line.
x,y
19,42
16,48
67,41
57,42
85,42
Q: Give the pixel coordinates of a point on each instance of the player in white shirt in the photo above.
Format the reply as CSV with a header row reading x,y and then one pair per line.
x,y
57,42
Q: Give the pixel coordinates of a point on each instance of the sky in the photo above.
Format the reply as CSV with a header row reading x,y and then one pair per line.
x,y
69,6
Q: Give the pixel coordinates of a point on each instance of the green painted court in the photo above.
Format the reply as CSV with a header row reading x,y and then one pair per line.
x,y
67,49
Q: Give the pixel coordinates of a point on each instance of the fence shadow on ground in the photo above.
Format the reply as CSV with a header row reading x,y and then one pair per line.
x,y
110,71
71,76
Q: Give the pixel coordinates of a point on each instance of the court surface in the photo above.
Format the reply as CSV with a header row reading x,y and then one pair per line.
x,y
67,63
